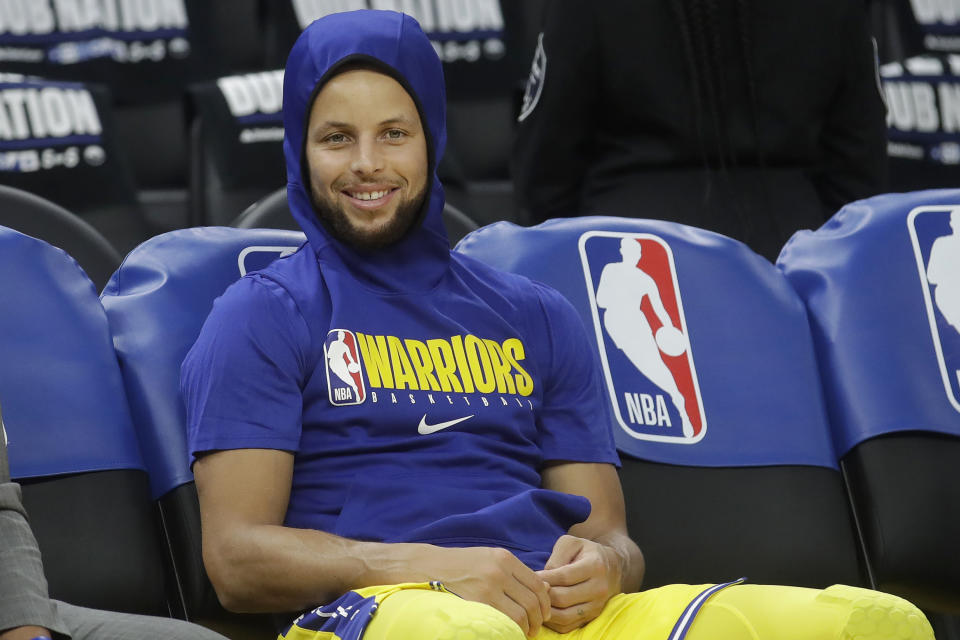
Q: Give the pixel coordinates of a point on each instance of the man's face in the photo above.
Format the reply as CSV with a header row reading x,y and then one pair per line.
x,y
367,157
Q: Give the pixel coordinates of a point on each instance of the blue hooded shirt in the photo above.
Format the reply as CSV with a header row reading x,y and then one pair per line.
x,y
420,391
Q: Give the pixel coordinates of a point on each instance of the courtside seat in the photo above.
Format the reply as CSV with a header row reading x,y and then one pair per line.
x,y
272,212
35,216
881,281
747,483
154,135
156,304
71,440
480,133
236,144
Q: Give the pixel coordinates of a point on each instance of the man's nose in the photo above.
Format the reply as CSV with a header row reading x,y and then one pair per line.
x,y
367,158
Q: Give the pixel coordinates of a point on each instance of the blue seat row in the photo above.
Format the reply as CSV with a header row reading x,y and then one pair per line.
x,y
796,423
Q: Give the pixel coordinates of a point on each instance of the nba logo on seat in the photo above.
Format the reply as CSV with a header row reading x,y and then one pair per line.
x,y
644,345
935,233
344,372
256,258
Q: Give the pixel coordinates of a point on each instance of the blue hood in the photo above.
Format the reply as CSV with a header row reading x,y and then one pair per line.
x,y
394,43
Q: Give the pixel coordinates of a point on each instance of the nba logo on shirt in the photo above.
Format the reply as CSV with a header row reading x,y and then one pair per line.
x,y
644,345
344,373
935,232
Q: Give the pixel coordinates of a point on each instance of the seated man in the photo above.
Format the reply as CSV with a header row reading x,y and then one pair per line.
x,y
462,482
26,610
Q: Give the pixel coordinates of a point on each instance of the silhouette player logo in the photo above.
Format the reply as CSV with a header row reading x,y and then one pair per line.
x,y
644,344
935,233
344,372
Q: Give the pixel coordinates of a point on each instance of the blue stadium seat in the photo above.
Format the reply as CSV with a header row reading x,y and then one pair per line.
x,y
747,483
71,440
881,281
156,304
236,144
38,217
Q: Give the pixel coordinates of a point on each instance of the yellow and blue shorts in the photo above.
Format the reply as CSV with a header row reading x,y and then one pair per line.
x,y
730,611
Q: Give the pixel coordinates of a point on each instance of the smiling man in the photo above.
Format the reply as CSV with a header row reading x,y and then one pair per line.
x,y
452,474
366,157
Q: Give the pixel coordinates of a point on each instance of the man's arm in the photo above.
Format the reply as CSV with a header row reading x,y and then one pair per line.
x,y
257,564
597,560
25,609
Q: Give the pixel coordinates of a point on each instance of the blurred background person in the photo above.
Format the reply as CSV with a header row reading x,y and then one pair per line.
x,y
752,119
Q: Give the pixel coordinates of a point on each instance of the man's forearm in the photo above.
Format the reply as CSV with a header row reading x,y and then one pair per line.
x,y
23,587
275,568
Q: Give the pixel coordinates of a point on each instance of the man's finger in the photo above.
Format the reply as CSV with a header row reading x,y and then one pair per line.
x,y
565,550
529,616
567,619
579,594
530,593
567,575
538,588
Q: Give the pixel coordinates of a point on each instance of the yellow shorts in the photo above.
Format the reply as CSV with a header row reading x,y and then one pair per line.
x,y
738,612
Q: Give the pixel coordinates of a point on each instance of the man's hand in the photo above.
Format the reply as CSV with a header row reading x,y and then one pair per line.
x,y
582,575
24,633
496,577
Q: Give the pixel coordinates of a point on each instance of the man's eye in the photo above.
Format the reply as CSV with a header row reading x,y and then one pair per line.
x,y
396,134
335,138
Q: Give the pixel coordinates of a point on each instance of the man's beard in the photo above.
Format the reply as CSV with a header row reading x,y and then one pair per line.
x,y
336,221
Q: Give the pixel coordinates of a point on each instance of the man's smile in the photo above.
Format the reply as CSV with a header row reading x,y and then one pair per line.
x,y
370,198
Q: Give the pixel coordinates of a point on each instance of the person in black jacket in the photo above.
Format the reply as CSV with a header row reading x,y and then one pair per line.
x,y
753,119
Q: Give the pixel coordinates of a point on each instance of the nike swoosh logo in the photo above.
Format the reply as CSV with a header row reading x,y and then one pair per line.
x,y
426,429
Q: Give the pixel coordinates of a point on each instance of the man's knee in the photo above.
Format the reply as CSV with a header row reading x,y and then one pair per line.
x,y
791,613
876,615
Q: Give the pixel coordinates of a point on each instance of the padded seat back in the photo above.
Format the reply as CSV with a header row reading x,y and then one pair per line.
x,y
35,216
727,462
881,281
71,440
156,304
